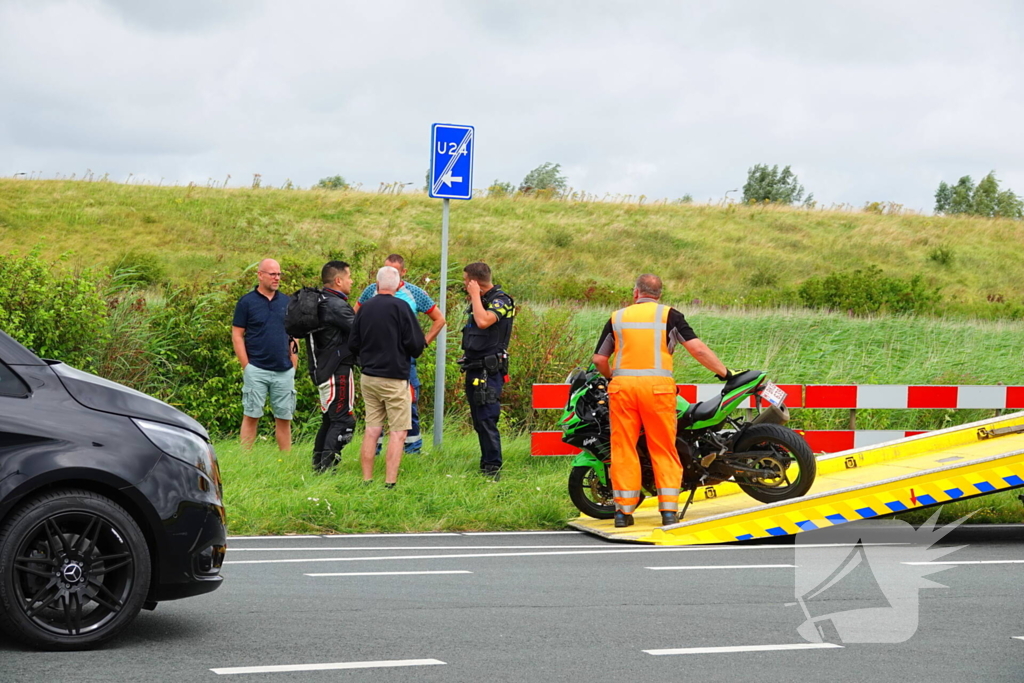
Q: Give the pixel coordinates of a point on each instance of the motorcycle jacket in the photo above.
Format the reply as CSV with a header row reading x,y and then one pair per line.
x,y
493,341
327,347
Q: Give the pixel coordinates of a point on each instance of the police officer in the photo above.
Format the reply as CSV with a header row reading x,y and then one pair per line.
x,y
642,394
485,341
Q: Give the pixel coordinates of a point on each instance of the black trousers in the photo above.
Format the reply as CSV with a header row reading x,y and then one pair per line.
x,y
338,423
483,392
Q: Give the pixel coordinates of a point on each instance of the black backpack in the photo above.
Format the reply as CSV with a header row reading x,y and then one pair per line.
x,y
302,317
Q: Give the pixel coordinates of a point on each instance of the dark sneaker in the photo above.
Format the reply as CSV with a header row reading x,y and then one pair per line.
x,y
491,475
623,520
390,486
669,517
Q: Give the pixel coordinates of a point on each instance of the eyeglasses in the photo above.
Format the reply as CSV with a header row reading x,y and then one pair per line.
x,y
271,274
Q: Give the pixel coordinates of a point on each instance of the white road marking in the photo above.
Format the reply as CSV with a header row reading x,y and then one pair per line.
x,y
653,549
419,547
454,571
325,667
289,538
518,533
726,566
742,648
260,538
919,564
1017,637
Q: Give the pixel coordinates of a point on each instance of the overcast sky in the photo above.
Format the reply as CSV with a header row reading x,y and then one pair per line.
x,y
868,101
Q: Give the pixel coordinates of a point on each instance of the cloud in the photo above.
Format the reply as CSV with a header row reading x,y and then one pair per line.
x,y
868,101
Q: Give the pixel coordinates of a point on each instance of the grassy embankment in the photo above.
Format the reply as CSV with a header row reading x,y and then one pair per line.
x,y
541,249
544,250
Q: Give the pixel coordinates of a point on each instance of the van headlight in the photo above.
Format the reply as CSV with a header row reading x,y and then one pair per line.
x,y
182,444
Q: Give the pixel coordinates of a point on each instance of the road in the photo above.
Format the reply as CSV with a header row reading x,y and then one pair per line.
x,y
555,606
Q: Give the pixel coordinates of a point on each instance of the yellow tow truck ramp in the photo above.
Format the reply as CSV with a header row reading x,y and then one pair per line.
x,y
916,472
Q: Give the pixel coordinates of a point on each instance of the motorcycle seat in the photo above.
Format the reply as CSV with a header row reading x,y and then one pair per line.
x,y
705,410
736,381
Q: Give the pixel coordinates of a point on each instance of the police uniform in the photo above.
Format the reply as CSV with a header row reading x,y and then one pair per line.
x,y
485,361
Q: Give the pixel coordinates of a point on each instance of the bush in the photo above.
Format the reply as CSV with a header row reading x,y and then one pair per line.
x,y
500,189
139,269
52,311
335,182
868,291
770,185
546,179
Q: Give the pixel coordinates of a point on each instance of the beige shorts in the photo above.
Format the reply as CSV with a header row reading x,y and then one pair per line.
x,y
387,400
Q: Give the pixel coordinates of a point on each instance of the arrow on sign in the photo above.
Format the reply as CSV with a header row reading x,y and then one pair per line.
x,y
448,179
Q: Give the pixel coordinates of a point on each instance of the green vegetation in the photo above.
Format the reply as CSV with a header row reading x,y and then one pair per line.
x,y
983,199
771,186
717,255
267,492
546,178
335,182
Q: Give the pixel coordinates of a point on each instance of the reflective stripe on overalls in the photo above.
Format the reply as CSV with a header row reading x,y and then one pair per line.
x,y
642,399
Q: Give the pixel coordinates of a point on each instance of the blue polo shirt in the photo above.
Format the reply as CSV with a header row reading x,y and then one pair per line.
x,y
266,342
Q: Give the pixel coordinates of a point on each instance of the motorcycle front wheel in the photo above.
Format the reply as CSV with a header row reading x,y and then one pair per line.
x,y
789,473
589,495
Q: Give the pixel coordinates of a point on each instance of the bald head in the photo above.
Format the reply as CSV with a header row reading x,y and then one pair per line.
x,y
648,286
268,275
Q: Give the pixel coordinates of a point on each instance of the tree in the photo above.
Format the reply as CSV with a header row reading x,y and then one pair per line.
x,y
332,183
766,185
500,189
547,176
983,199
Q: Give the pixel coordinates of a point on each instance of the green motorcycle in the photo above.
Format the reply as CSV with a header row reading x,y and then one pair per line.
x,y
767,460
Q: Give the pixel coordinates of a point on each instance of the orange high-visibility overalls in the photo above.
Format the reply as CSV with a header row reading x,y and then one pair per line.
x,y
642,393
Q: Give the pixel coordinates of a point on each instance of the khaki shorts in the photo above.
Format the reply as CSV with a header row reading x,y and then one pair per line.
x,y
387,400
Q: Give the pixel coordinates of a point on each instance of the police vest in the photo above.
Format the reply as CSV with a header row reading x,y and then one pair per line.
x,y
641,349
478,343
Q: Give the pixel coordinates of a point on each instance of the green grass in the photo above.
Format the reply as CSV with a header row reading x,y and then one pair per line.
x,y
267,492
731,255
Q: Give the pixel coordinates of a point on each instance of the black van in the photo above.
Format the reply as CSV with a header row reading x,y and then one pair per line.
x,y
110,502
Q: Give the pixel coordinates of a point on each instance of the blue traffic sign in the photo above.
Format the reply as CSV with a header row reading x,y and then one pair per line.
x,y
451,161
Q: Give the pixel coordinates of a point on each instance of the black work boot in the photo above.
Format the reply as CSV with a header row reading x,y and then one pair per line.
x,y
669,517
622,519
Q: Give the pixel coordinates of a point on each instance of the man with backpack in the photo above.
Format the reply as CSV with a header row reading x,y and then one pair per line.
x,y
324,319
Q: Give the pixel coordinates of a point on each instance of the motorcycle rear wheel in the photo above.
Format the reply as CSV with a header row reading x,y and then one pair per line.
x,y
787,443
589,495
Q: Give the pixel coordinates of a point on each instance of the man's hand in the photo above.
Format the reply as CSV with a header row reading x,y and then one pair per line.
x,y
728,375
473,289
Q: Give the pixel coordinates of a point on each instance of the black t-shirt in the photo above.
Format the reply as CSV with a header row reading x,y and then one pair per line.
x,y
677,331
266,343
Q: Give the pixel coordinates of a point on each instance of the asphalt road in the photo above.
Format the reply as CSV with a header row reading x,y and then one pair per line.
x,y
552,607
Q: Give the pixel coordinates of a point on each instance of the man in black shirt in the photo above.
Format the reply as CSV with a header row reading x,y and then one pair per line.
x,y
330,365
385,335
266,354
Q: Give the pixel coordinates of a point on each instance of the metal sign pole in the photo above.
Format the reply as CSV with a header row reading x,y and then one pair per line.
x,y
442,339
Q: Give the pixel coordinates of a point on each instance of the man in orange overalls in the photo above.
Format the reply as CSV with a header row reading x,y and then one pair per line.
x,y
642,394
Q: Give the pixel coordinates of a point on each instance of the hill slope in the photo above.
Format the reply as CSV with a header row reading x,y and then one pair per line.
x,y
540,249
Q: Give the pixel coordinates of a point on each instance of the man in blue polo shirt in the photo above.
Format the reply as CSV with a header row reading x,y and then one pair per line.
x,y
420,302
267,355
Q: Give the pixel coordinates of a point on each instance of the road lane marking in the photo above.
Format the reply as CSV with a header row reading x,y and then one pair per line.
x,y
726,566
325,667
654,549
921,564
518,533
288,538
1017,637
260,538
742,648
421,547
453,571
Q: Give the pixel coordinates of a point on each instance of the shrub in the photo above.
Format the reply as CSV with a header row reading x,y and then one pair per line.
x,y
500,189
941,255
546,178
770,185
139,269
56,313
868,291
335,182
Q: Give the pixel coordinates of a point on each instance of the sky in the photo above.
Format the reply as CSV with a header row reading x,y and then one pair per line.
x,y
867,101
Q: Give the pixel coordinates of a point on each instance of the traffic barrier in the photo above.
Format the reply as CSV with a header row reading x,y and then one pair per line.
x,y
852,397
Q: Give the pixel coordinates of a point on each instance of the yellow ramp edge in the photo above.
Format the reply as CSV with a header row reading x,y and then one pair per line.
x,y
916,472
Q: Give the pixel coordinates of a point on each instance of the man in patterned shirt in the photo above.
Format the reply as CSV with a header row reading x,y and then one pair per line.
x,y
420,302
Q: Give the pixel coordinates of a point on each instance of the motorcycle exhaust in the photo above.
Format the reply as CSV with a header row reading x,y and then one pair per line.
x,y
772,415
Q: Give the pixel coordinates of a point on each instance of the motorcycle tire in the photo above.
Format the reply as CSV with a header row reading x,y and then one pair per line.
x,y
757,437
590,496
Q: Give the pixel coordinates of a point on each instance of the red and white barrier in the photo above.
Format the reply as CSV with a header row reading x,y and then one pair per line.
x,y
846,396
